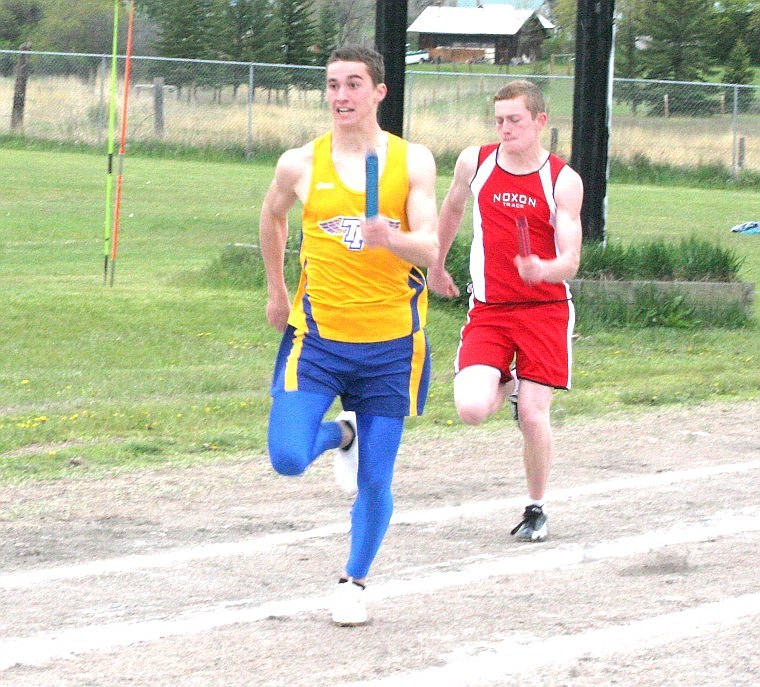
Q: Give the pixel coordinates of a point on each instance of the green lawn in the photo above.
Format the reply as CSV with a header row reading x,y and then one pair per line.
x,y
160,369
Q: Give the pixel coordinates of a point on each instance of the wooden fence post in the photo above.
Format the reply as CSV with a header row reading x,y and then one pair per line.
x,y
19,92
158,106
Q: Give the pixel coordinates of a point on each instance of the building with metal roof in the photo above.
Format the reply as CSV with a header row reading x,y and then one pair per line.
x,y
503,31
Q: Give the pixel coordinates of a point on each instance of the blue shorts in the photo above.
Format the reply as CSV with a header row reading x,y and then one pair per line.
x,y
387,378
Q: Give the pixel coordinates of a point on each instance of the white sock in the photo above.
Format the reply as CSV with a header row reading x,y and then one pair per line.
x,y
536,502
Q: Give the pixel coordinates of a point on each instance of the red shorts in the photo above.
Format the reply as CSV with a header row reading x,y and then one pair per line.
x,y
538,337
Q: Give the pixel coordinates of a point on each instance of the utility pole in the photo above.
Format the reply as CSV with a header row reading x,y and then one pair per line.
x,y
390,41
591,111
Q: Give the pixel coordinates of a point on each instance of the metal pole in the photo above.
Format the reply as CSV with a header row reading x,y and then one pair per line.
x,y
249,142
735,127
408,127
102,116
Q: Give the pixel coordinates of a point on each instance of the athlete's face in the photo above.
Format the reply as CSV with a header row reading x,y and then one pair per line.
x,y
516,128
350,92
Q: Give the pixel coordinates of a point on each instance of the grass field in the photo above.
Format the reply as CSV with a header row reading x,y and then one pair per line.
x,y
160,369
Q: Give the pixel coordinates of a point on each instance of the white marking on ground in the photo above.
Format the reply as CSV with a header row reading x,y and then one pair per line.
x,y
491,662
44,647
23,579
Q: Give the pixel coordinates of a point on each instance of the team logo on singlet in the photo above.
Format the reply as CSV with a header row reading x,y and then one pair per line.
x,y
514,200
350,229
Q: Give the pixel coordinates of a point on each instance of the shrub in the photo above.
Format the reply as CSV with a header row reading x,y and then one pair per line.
x,y
240,266
690,260
652,308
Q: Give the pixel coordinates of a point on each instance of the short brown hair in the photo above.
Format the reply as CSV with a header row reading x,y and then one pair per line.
x,y
534,99
358,53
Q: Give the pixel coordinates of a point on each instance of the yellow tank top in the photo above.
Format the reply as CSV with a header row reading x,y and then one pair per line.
x,y
348,292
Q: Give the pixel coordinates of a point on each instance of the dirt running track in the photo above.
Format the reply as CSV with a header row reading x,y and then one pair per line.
x,y
221,575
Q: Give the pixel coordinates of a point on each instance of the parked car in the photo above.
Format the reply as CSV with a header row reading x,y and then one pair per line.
x,y
417,56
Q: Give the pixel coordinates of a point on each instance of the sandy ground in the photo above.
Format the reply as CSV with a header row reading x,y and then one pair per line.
x,y
221,574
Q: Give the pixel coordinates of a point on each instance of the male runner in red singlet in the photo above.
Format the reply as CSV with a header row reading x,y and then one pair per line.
x,y
521,310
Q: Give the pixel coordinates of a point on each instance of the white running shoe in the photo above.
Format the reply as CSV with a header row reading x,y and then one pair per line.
x,y
348,607
346,460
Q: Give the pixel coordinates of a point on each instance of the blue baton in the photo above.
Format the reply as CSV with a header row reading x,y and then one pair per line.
x,y
371,202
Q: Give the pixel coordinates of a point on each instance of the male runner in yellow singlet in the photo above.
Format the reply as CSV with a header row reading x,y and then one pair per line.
x,y
355,325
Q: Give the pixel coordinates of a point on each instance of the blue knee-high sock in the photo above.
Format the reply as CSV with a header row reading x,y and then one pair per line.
x,y
379,440
296,434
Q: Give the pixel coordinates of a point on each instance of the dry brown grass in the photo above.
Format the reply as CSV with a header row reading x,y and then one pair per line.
x,y
446,116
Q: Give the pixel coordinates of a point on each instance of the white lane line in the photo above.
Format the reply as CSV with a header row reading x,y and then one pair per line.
x,y
492,662
44,647
22,579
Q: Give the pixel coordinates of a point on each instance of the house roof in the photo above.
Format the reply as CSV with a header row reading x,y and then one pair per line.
x,y
495,20
522,4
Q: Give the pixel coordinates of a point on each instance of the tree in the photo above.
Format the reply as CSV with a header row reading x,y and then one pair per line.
x,y
357,21
295,17
681,33
189,29
732,24
249,34
17,20
628,63
84,26
738,71
564,15
753,36
328,31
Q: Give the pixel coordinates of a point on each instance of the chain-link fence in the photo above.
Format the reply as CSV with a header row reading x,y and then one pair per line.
x,y
266,108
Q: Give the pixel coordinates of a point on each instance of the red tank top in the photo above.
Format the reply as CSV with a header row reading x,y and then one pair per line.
x,y
500,198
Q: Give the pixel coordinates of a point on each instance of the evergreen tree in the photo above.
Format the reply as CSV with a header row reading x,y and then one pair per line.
x,y
739,71
248,31
681,33
295,17
627,53
732,25
328,31
753,36
189,28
